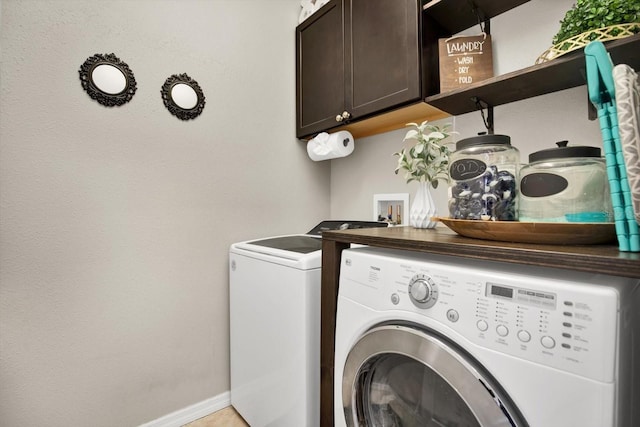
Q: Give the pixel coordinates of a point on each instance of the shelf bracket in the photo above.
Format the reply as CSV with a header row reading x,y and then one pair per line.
x,y
488,119
481,17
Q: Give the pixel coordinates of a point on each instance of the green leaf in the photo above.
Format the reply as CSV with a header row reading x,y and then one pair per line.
x,y
427,160
586,15
412,134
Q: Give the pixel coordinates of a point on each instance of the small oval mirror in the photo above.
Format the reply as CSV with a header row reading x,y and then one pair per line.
x,y
107,79
182,96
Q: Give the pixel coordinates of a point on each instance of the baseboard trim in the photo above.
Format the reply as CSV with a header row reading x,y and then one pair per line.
x,y
193,412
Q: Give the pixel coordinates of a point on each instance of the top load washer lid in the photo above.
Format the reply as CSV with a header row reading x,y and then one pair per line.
x,y
302,251
296,250
344,225
302,244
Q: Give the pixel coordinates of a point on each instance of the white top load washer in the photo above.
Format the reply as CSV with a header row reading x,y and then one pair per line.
x,y
425,340
274,303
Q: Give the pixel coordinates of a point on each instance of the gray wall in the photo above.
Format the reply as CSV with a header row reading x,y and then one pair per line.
x,y
115,222
519,37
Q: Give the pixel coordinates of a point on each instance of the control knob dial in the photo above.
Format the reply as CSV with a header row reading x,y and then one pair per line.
x,y
423,291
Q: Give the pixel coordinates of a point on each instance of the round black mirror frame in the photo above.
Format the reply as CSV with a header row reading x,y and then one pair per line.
x,y
172,106
104,98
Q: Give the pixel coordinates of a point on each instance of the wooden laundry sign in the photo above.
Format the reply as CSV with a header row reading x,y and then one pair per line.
x,y
464,60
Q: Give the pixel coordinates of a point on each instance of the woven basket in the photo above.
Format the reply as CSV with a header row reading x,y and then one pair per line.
x,y
612,32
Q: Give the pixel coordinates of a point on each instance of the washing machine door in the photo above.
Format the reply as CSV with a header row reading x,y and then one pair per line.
x,y
399,375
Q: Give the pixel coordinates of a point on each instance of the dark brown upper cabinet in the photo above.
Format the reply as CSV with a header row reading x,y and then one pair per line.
x,y
320,59
367,65
371,66
356,58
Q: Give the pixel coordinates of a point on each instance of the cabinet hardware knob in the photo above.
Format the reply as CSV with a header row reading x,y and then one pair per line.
x,y
345,115
339,118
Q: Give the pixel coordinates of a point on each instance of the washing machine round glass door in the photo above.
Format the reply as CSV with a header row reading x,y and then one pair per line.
x,y
403,376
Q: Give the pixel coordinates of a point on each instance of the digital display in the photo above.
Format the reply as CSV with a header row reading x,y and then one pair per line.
x,y
531,297
501,291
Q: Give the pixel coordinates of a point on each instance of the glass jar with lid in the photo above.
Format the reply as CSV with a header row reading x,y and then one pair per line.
x,y
565,184
483,173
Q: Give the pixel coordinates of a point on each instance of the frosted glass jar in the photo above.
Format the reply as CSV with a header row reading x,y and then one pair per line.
x,y
483,172
565,184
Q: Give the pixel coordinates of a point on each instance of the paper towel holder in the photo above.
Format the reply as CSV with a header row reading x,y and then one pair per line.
x,y
326,147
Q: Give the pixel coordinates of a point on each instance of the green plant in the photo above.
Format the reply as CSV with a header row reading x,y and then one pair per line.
x,y
587,15
428,159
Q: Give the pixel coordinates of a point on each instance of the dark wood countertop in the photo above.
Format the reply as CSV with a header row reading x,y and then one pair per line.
x,y
604,259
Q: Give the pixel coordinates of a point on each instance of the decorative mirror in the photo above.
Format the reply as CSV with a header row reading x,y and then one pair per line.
x,y
107,79
183,96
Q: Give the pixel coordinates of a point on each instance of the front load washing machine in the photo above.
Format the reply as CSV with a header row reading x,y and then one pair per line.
x,y
428,340
274,304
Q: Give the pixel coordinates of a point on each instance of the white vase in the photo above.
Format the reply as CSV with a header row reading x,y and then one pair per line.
x,y
423,207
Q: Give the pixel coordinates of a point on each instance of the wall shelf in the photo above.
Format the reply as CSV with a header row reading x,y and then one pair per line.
x,y
561,73
458,15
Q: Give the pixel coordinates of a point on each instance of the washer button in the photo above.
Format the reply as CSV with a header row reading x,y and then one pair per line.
x,y
452,315
524,336
548,342
482,325
502,330
395,299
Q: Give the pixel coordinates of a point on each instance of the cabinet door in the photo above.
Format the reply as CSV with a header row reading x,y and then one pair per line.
x,y
320,91
383,55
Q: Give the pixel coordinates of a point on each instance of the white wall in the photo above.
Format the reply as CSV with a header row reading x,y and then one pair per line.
x,y
115,222
519,37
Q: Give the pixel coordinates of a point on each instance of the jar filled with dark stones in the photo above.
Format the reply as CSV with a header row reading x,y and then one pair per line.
x,y
483,179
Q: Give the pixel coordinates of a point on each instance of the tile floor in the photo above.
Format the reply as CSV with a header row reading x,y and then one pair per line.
x,y
227,417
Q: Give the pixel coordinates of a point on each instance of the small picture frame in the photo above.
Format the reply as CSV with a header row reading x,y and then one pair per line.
x,y
391,208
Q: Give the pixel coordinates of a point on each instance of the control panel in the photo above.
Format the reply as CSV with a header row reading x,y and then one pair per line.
x,y
565,322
